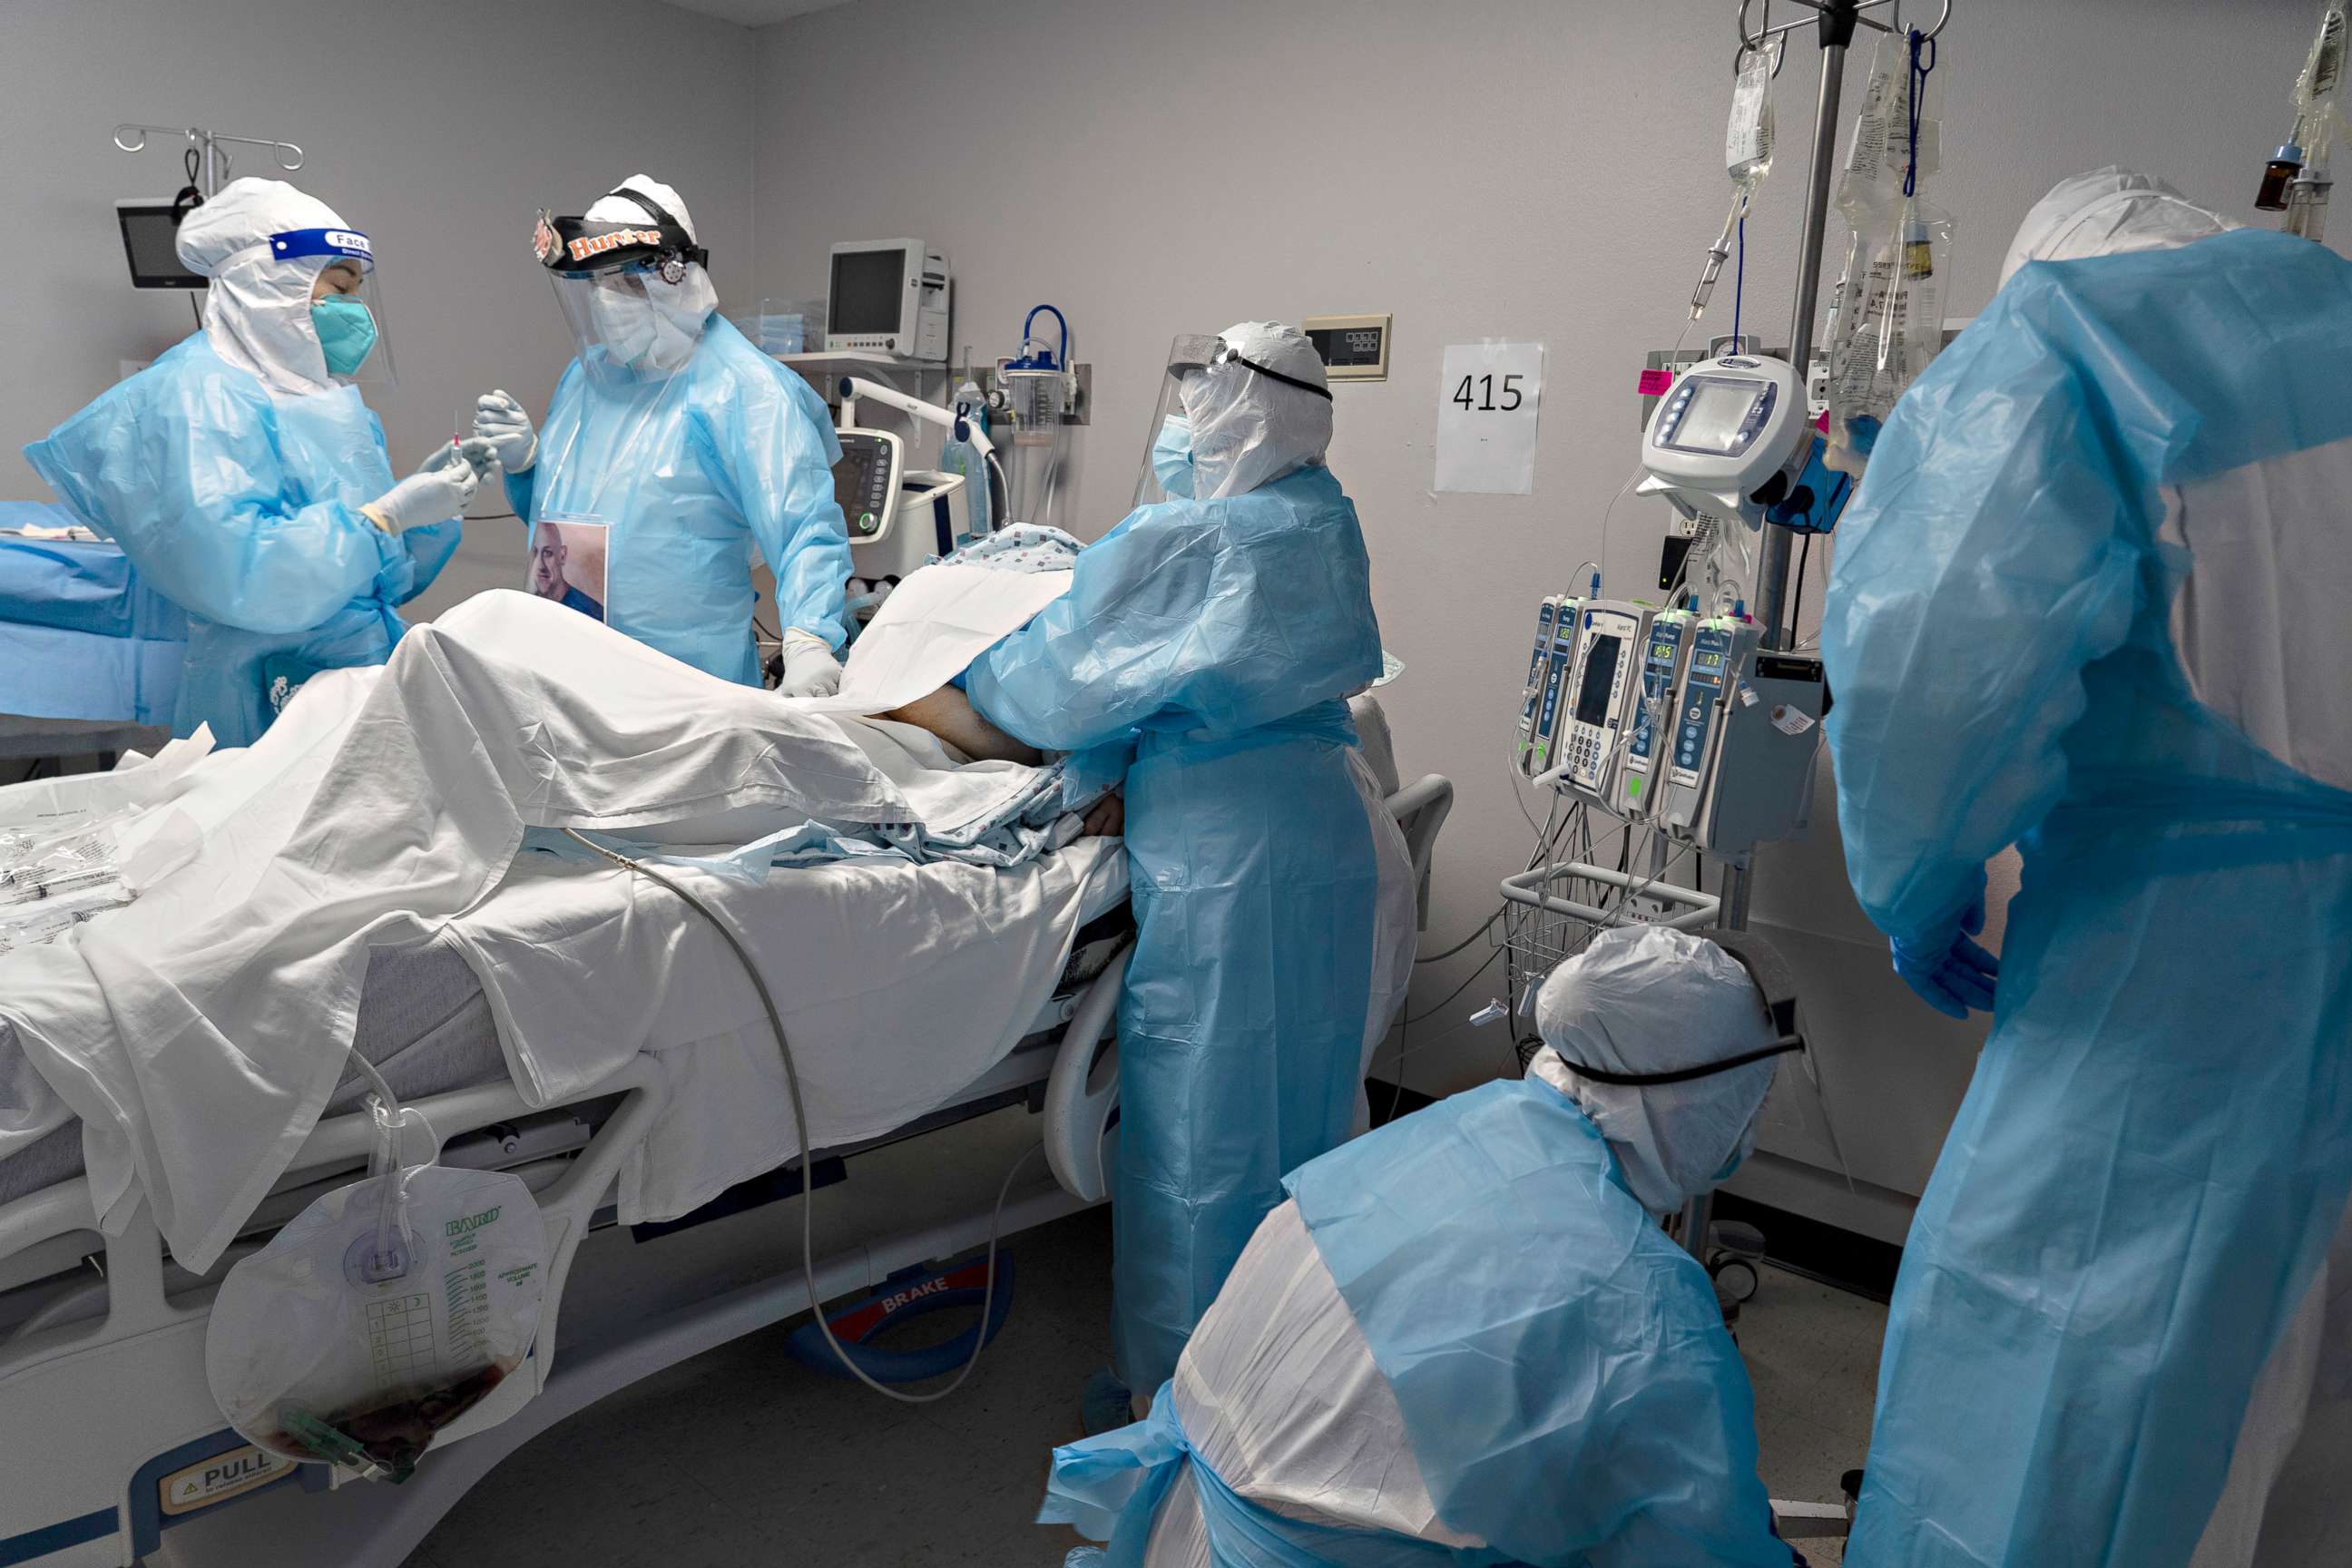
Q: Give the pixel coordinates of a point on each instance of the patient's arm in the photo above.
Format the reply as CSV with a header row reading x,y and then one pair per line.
x,y
948,714
1107,818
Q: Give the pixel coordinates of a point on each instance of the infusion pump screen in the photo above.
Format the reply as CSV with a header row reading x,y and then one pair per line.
x,y
1712,424
1599,674
867,286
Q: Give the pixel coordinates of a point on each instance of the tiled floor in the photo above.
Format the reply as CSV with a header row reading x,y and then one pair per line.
x,y
1813,1358
743,1457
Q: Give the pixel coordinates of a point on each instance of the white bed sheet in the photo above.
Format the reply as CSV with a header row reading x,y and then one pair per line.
x,y
898,984
197,1033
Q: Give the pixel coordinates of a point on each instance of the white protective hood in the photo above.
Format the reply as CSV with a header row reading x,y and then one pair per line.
x,y
1248,430
257,310
2106,211
642,319
1645,999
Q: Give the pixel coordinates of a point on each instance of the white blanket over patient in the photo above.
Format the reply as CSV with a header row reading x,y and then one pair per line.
x,y
197,1032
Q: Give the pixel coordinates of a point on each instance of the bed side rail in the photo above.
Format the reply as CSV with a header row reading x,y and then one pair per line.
x,y
133,1267
1420,809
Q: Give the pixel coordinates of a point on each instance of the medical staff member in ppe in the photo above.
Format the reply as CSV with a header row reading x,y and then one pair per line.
x,y
1215,635
244,479
2089,600
691,447
1463,1338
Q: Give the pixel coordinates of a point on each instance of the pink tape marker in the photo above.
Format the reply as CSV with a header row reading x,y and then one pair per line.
x,y
1654,383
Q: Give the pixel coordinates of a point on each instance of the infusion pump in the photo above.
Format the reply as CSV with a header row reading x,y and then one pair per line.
x,y
1668,719
1722,441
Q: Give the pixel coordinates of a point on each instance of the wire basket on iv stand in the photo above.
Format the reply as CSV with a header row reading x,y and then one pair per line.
x,y
1551,912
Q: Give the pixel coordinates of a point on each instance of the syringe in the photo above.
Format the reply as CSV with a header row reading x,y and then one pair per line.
x,y
33,889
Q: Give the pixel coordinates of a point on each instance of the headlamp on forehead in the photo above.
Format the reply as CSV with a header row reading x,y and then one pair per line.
x,y
581,247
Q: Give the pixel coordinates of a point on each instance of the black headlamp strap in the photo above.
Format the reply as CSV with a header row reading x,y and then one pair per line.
x,y
661,215
1322,391
672,263
1780,1047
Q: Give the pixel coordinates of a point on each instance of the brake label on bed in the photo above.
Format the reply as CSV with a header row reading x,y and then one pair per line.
x,y
218,1478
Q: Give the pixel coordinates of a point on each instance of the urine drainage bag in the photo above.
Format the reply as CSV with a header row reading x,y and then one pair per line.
x,y
379,1316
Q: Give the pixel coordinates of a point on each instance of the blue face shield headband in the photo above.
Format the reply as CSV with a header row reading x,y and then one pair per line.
x,y
341,244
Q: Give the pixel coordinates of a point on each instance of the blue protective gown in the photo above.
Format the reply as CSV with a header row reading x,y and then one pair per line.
x,y
243,508
689,470
1223,635
2157,1142
1569,1389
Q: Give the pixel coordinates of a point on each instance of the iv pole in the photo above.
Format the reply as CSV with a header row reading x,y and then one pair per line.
x,y
1835,21
208,143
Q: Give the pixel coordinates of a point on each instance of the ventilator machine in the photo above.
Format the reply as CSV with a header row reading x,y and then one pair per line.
x,y
898,517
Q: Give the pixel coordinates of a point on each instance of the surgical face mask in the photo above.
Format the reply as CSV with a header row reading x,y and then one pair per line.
x,y
346,333
624,317
644,324
1172,456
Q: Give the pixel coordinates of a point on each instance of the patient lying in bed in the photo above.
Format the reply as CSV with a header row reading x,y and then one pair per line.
x,y
948,714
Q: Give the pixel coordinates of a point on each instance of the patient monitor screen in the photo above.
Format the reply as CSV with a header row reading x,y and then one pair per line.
x,y
869,288
151,237
1599,673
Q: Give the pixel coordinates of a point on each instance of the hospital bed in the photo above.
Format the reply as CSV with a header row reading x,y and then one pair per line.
x,y
118,1452
89,656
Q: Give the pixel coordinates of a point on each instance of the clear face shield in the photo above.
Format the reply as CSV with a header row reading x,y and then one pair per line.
x,y
1167,473
1224,426
635,296
346,308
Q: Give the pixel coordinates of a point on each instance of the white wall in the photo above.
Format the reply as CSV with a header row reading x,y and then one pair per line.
x,y
1532,170
439,127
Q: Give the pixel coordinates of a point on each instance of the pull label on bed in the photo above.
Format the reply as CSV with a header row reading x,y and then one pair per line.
x,y
218,1478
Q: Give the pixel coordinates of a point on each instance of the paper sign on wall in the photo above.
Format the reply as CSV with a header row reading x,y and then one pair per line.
x,y
1487,408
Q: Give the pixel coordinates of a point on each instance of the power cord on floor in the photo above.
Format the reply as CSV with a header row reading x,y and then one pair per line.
x,y
1484,926
800,1126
